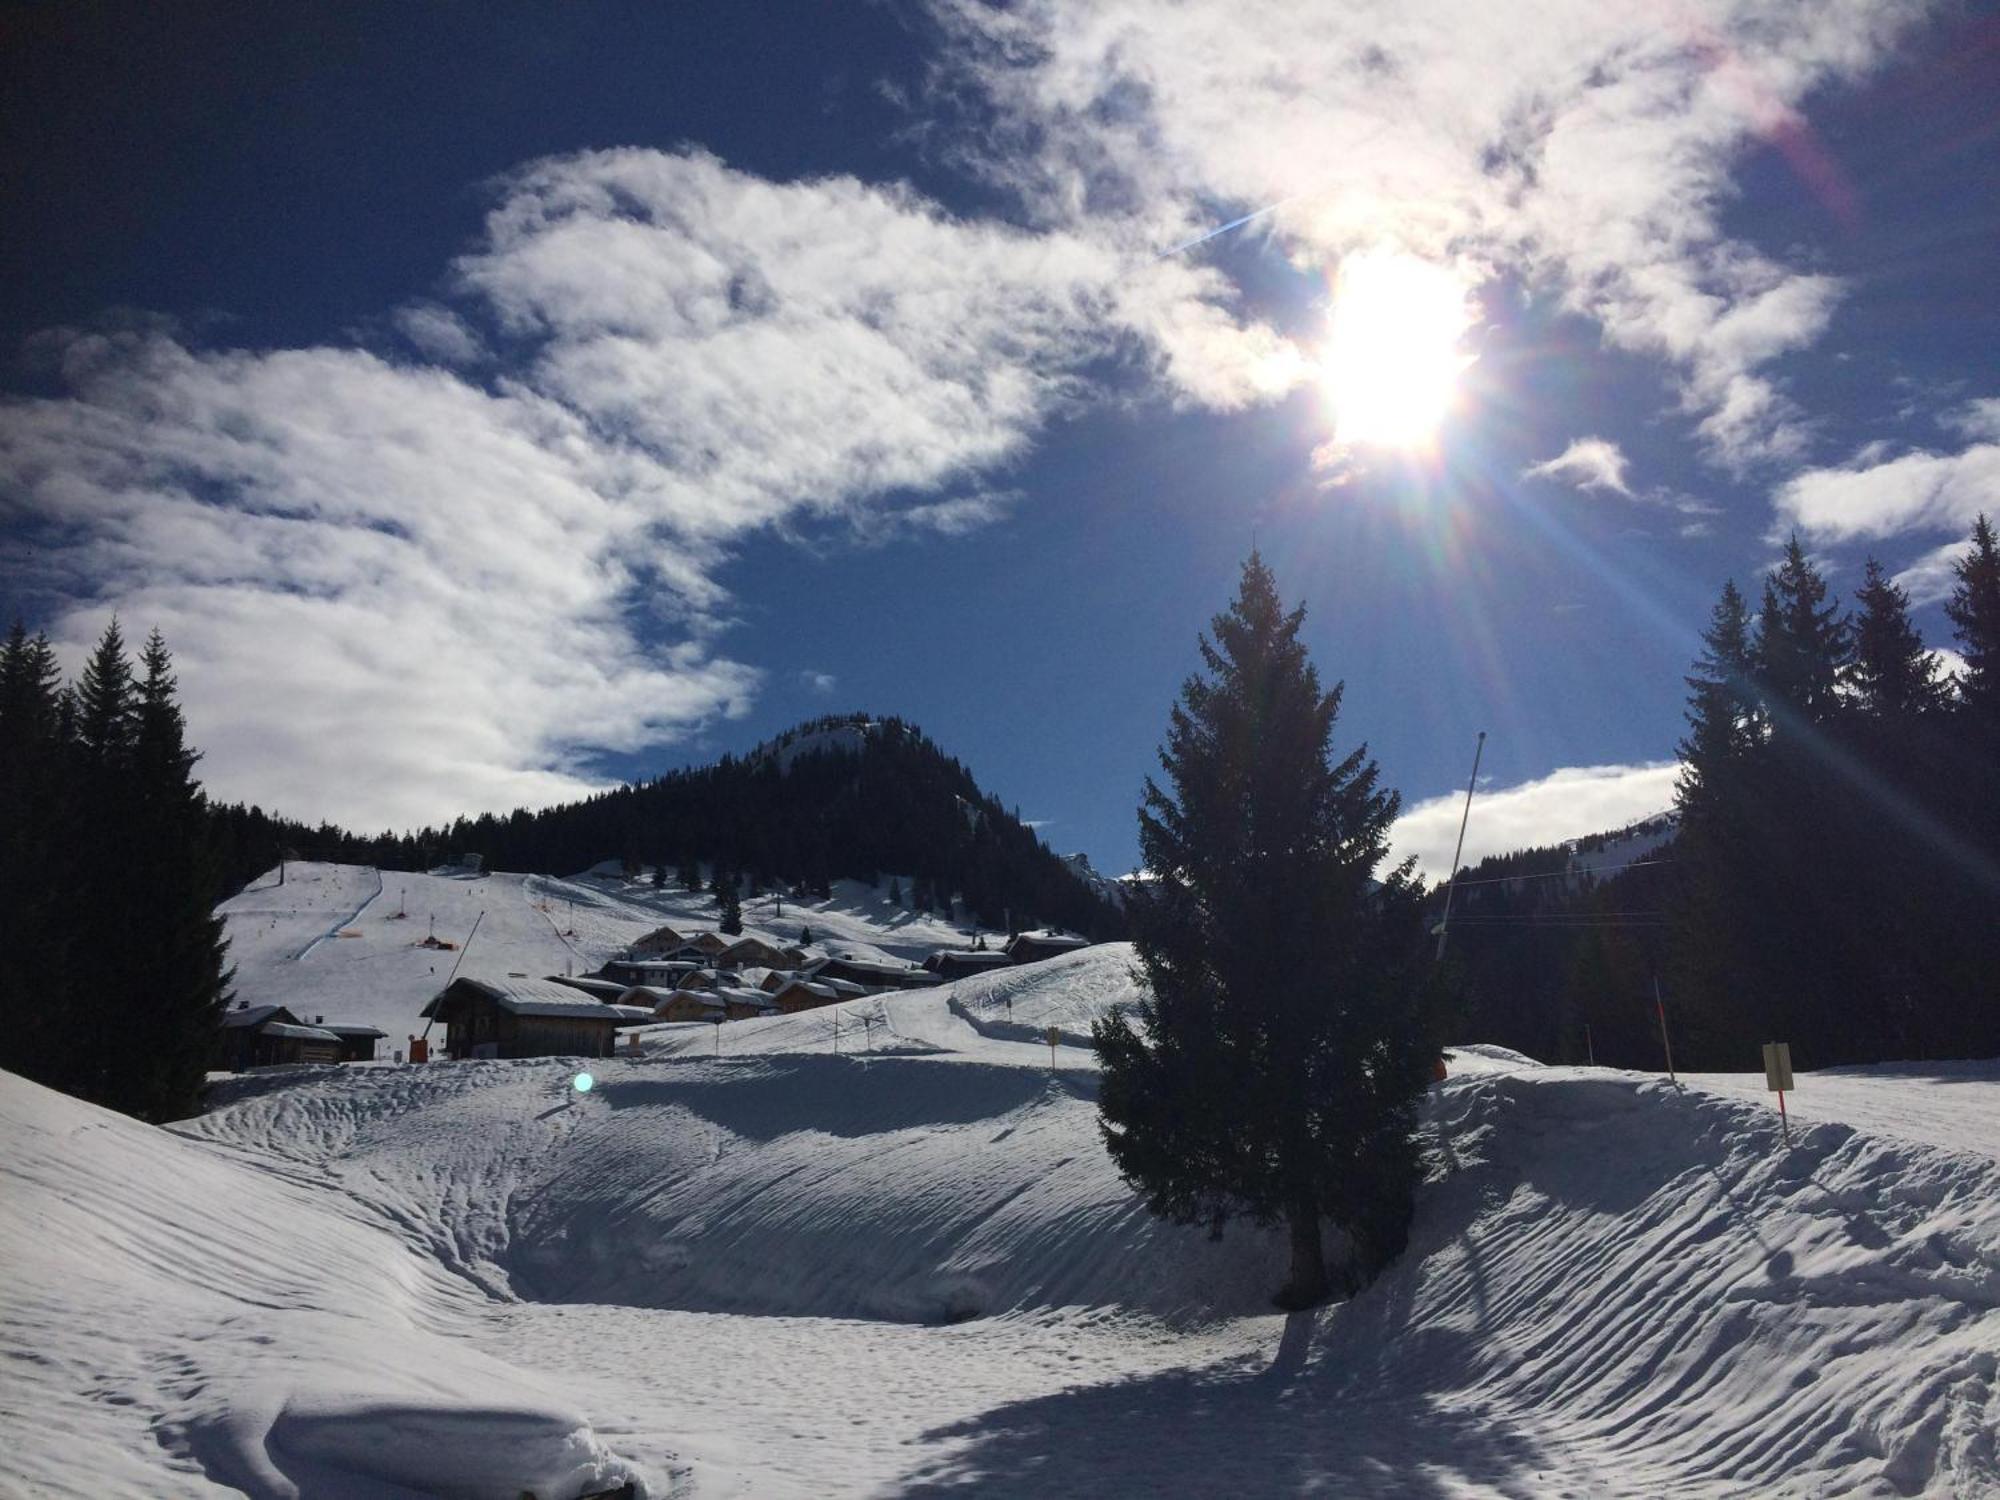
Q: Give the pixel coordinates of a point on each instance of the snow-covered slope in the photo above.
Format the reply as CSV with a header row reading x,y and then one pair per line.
x,y
345,941
911,1269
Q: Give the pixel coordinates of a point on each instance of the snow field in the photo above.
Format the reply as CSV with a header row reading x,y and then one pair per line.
x,y
911,1270
286,944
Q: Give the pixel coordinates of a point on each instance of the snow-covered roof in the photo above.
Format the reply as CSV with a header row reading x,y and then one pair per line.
x,y
342,1028
534,997
604,989
302,1033
1048,937
250,1015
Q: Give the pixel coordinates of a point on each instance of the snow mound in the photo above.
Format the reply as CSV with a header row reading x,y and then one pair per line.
x,y
184,1322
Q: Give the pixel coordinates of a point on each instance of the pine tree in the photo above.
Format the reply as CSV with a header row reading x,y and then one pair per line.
x,y
178,949
1974,612
690,873
1282,1046
1801,646
895,891
38,928
1892,675
805,937
732,910
659,876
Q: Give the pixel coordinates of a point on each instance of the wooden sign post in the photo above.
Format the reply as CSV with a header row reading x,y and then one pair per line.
x,y
1778,1078
1054,1035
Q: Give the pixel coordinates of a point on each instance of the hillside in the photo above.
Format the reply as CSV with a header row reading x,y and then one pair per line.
x,y
909,1269
842,798
330,941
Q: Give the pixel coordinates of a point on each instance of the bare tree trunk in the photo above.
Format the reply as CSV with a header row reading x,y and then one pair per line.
x,y
1308,1280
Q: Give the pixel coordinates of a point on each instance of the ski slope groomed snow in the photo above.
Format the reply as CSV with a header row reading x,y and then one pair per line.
x,y
347,942
906,1267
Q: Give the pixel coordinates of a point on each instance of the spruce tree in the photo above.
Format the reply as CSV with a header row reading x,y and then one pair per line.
x,y
690,872
1801,647
1274,1065
1892,676
1974,612
732,909
39,926
181,979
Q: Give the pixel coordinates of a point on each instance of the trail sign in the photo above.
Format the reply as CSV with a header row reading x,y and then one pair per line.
x,y
1777,1066
1054,1035
1778,1078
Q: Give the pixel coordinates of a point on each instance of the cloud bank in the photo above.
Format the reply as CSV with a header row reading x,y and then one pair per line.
x,y
397,591
1568,803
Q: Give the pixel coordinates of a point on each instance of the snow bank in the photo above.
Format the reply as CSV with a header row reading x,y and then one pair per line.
x,y
179,1322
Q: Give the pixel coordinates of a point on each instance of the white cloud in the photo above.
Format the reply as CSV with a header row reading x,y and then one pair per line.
x,y
440,334
818,682
1587,147
1590,463
1568,803
397,594
1872,497
1934,575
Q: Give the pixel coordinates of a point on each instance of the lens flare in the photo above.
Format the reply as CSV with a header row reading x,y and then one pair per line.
x,y
583,1083
1392,360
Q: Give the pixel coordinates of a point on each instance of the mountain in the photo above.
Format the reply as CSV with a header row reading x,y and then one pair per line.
x,y
849,796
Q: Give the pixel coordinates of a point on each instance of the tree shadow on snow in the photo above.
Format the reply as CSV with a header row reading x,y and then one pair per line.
x,y
1299,1426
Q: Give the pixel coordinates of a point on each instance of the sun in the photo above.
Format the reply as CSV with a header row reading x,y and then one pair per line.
x,y
1392,359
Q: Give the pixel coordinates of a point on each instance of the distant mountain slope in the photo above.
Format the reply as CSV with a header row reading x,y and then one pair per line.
x,y
848,796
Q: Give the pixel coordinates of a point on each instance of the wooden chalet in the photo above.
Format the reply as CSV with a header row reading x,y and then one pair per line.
x,y
664,972
524,1018
957,963
753,952
739,1004
874,975
269,1036
657,943
802,994
357,1043
1032,947
678,1005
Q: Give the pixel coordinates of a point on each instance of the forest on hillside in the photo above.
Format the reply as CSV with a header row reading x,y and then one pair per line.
x,y
1834,876
843,797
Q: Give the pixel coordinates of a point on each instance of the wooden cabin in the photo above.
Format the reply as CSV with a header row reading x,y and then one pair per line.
x,y
802,994
753,952
874,975
357,1043
523,1018
269,1036
657,943
740,1004
664,972
1032,947
957,963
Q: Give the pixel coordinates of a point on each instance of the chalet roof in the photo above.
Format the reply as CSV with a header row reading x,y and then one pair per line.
x,y
822,988
604,989
345,1028
737,995
1047,937
634,1012
302,1033
256,1015
975,958
893,969
529,997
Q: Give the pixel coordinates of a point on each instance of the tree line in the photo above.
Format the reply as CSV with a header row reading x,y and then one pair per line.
x,y
112,970
1834,877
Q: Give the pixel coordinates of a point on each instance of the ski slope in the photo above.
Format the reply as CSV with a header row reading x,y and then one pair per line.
x,y
345,941
908,1268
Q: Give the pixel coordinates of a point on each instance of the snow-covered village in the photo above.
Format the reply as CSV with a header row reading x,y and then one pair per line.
x,y
1111,748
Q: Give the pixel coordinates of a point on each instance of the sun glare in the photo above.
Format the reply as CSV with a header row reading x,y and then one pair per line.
x,y
1392,358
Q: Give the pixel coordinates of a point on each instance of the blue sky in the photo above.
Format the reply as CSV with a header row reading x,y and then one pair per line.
x,y
490,405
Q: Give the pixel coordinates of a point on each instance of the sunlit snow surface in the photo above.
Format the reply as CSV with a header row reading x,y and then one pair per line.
x,y
908,1268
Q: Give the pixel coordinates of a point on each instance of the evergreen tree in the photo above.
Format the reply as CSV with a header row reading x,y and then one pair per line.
x,y
1281,1048
659,876
690,873
1892,675
895,891
1974,611
38,926
805,937
1801,646
732,910
181,983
